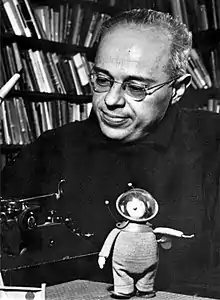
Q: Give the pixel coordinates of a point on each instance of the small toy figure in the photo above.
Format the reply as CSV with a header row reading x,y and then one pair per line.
x,y
135,247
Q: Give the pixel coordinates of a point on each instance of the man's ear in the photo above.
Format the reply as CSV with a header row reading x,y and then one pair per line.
x,y
180,86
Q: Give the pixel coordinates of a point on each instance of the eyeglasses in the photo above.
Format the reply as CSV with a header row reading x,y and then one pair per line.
x,y
102,83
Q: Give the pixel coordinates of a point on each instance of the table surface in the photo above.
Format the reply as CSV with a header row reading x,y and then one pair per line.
x,y
90,290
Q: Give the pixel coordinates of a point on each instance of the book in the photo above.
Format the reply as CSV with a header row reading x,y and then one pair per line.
x,y
215,67
217,7
53,59
35,119
77,23
44,65
195,81
75,76
85,23
17,57
200,65
42,33
5,63
51,23
68,28
203,23
29,17
42,17
90,31
55,79
83,75
3,73
31,80
184,12
196,73
12,64
26,129
21,16
176,9
14,17
56,24
212,14
66,76
5,23
61,23
101,19
13,122
5,124
26,82
46,122
192,14
213,105
36,69
41,71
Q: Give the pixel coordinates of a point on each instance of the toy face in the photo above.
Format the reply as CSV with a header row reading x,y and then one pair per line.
x,y
137,205
136,208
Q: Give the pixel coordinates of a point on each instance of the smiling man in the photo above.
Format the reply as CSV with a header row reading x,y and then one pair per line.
x,y
136,133
124,69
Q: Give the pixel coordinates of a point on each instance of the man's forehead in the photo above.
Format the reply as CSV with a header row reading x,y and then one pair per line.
x,y
136,48
146,33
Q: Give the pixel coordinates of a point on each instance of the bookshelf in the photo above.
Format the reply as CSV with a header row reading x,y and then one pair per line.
x,y
47,45
50,44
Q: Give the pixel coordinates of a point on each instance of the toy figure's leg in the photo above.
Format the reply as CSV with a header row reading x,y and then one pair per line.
x,y
146,283
123,283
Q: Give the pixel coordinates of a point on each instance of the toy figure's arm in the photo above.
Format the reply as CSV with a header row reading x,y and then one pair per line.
x,y
172,232
106,248
167,233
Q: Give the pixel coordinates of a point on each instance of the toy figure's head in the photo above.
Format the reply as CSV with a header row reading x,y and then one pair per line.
x,y
137,205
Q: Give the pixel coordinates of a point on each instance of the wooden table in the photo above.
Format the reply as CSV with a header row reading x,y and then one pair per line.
x,y
90,290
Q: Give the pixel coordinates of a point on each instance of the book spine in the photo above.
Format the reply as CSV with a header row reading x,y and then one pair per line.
x,y
30,74
176,10
200,65
6,26
61,23
75,76
30,18
7,138
203,23
13,17
215,67
83,76
77,24
91,29
21,17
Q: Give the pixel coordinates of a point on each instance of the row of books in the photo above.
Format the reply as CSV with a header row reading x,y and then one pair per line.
x,y
201,78
74,23
46,72
22,121
198,15
213,105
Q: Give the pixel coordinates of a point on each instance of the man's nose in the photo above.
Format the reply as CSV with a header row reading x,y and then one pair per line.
x,y
115,96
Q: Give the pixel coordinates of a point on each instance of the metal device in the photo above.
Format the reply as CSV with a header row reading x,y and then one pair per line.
x,y
43,241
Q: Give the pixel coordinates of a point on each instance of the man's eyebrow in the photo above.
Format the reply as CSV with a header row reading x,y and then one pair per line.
x,y
127,78
140,78
97,69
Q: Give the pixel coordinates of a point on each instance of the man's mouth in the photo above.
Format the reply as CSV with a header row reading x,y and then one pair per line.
x,y
113,120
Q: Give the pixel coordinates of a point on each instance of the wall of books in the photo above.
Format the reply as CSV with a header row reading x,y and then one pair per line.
x,y
51,44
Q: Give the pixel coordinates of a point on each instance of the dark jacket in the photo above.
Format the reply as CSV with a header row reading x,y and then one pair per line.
x,y
178,163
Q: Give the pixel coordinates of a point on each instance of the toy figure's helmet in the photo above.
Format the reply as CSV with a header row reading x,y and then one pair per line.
x,y
137,205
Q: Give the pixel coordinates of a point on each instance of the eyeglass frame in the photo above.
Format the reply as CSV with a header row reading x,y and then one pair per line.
x,y
147,92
